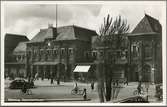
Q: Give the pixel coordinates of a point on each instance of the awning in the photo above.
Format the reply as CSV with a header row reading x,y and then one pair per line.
x,y
82,68
45,63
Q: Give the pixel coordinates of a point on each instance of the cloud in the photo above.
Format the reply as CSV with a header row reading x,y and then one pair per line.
x,y
131,11
28,19
24,19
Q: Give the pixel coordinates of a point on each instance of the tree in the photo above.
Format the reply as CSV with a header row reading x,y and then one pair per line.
x,y
111,38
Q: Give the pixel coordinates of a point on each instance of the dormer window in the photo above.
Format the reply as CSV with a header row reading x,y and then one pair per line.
x,y
62,51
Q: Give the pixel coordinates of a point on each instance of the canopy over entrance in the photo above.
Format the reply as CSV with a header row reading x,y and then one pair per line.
x,y
82,68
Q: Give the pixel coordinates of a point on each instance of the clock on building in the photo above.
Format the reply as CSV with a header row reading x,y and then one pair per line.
x,y
49,44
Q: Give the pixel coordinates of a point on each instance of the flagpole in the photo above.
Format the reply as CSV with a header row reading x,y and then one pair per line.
x,y
56,19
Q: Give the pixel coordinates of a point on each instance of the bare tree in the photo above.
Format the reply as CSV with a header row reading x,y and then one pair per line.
x,y
111,36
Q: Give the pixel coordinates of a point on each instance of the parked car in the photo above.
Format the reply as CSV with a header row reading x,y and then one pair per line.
x,y
136,99
18,84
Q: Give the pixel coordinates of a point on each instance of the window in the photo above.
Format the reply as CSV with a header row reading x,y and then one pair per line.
x,y
94,54
47,52
148,52
135,50
70,51
87,54
101,53
41,51
62,51
118,54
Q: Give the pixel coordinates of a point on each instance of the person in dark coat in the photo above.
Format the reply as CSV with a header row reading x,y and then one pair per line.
x,y
84,94
139,88
92,85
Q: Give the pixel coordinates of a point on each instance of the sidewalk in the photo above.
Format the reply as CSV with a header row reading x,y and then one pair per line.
x,y
46,100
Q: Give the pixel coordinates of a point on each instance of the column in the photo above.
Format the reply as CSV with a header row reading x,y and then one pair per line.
x,y
129,62
142,60
65,72
17,71
44,71
31,72
37,72
153,62
52,73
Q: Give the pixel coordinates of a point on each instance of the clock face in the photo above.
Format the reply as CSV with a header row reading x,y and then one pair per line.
x,y
49,44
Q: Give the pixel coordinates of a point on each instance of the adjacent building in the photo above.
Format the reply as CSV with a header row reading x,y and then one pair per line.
x,y
15,49
145,51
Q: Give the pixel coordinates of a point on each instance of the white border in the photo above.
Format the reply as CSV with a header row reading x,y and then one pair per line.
x,y
81,104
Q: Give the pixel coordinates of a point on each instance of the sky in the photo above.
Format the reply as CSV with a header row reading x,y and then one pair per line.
x,y
28,19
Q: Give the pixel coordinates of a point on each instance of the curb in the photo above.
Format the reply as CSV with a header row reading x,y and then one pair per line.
x,y
44,100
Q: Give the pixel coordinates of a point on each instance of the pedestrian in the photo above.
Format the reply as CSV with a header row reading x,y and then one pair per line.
x,y
126,82
36,76
84,94
92,85
51,82
114,89
117,82
76,87
51,78
139,88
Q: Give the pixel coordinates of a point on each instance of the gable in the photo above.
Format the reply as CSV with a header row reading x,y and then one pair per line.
x,y
148,25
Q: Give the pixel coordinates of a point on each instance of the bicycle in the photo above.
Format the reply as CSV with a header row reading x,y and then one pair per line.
x,y
136,92
77,91
28,92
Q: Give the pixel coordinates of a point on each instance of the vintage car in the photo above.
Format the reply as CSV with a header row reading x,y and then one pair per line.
x,y
18,84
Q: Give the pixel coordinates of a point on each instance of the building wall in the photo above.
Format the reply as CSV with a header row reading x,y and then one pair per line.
x,y
145,58
68,53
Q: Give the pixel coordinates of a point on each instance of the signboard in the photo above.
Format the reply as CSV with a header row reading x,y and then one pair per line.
x,y
81,68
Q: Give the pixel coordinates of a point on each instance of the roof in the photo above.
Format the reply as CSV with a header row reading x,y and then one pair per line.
x,y
11,41
148,24
21,47
64,33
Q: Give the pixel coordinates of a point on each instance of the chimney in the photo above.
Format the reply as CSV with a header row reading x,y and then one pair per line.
x,y
50,25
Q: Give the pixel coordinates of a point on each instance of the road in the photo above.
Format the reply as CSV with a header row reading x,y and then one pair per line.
x,y
62,91
45,90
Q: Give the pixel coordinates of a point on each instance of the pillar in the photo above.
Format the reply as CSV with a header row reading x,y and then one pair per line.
x,y
65,72
31,73
37,75
142,60
52,70
129,75
52,73
44,71
153,62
